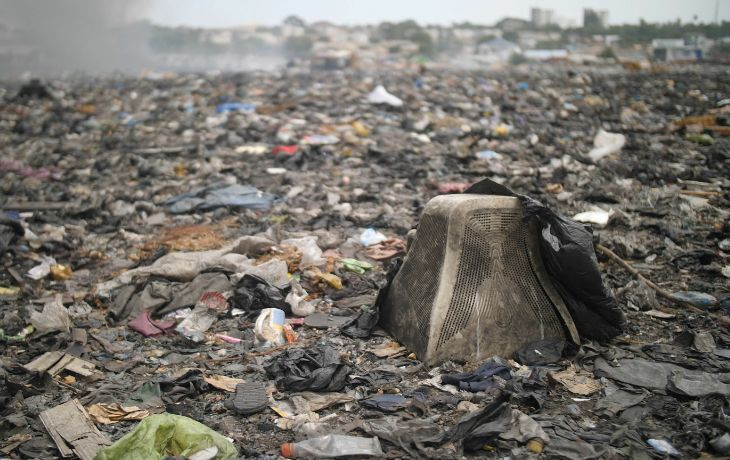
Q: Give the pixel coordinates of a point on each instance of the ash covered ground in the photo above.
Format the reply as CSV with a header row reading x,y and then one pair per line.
x,y
104,180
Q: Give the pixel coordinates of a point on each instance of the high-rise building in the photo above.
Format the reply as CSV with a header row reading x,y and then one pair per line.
x,y
595,19
541,17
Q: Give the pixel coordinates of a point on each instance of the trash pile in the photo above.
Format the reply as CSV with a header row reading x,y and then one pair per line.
x,y
191,263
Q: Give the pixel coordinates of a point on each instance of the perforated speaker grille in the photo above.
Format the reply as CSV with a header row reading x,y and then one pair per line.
x,y
419,279
495,281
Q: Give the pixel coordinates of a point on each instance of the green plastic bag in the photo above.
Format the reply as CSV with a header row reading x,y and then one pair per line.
x,y
356,266
161,435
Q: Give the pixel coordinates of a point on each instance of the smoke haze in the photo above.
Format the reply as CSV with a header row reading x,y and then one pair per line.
x,y
51,37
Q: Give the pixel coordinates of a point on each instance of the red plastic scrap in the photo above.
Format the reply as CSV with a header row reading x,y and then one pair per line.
x,y
149,327
453,187
285,149
214,301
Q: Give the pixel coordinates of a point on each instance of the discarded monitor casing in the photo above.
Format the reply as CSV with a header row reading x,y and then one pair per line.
x,y
472,284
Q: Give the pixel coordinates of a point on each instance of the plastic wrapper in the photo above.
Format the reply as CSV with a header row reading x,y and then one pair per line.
x,y
162,435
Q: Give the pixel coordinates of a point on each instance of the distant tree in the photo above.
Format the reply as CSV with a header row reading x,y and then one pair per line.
x,y
551,28
517,59
295,21
407,30
398,30
298,46
607,53
511,35
644,32
425,43
467,25
485,39
550,44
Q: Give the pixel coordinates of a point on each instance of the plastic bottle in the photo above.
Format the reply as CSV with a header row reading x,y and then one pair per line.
x,y
333,445
269,327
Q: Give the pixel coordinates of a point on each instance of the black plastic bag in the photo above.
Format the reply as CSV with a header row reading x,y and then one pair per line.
x,y
567,252
253,294
570,260
316,368
10,229
361,326
540,353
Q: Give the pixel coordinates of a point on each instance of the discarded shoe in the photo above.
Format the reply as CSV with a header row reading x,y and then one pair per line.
x,y
250,398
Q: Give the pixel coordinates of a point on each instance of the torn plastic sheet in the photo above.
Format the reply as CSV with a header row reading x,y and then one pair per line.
x,y
665,377
220,195
311,253
184,266
41,270
409,435
53,318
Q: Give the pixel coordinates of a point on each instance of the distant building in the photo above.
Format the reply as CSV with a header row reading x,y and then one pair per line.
x,y
399,47
566,23
595,19
546,55
471,35
542,17
692,48
292,30
667,43
608,40
333,59
219,37
533,38
498,49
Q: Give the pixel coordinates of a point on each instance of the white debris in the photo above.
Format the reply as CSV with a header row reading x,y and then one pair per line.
x,y
605,144
381,96
596,216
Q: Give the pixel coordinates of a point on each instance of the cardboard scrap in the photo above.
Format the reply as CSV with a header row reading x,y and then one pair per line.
x,y
72,430
308,401
13,442
660,314
54,362
576,382
112,413
223,383
387,350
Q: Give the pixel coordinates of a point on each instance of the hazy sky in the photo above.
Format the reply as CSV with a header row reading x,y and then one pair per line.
x,y
221,13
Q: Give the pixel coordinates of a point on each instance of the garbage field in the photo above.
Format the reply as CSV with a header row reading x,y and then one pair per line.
x,y
224,265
